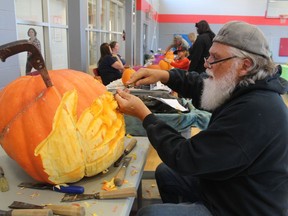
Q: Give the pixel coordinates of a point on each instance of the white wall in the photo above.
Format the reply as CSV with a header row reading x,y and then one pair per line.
x,y
214,7
10,69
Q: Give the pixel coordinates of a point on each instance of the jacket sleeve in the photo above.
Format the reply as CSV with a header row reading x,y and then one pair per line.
x,y
188,84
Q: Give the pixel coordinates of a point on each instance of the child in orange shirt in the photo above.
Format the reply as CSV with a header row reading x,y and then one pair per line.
x,y
181,61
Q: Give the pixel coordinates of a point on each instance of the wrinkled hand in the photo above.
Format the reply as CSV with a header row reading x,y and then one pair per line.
x,y
146,76
131,105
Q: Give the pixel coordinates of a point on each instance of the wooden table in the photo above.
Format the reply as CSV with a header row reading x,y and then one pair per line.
x,y
120,207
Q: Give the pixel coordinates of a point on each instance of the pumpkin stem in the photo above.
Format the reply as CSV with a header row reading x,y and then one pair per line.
x,y
35,58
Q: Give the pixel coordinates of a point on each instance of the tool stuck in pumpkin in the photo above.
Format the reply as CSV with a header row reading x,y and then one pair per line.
x,y
4,186
73,189
114,194
67,210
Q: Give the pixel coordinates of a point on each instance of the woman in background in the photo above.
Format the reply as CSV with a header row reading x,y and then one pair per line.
x,y
115,50
32,39
110,67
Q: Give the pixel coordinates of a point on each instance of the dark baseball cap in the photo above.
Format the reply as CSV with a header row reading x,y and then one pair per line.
x,y
180,49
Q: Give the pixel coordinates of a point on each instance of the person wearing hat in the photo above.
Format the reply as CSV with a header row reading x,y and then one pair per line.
x,y
178,41
201,46
181,61
239,164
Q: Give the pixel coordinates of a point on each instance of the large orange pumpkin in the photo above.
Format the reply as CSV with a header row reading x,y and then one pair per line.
x,y
62,129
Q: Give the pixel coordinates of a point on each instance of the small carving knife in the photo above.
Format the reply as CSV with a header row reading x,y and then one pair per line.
x,y
67,210
114,194
27,212
119,178
59,188
131,145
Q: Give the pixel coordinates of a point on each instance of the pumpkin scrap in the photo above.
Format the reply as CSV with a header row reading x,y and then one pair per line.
x,y
109,185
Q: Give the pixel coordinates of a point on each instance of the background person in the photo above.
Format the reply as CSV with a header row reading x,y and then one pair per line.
x,y
178,41
181,61
115,47
192,37
110,67
201,46
238,165
34,40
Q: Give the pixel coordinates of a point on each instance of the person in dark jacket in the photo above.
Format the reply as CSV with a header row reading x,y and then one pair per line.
x,y
239,164
201,46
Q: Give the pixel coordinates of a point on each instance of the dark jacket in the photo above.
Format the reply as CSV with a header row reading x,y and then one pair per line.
x,y
241,159
199,50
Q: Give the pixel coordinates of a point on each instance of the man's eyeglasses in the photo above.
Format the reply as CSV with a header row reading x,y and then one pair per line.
x,y
209,64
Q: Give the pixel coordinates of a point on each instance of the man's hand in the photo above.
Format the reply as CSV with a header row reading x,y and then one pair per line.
x,y
146,76
131,105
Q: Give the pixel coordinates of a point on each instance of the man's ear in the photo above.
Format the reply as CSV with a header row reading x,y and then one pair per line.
x,y
247,64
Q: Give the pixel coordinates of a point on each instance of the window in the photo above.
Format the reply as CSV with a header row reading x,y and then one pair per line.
x,y
49,19
105,24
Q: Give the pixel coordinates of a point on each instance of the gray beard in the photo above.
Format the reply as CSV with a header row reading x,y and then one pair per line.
x,y
216,92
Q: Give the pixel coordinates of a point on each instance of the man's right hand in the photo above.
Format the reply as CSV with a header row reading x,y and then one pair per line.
x,y
146,76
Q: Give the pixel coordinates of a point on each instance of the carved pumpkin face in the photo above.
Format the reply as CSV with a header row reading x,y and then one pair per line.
x,y
62,133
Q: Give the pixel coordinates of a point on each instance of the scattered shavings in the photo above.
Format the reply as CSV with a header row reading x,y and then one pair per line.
x,y
133,155
34,195
87,205
133,172
105,171
115,209
109,185
129,136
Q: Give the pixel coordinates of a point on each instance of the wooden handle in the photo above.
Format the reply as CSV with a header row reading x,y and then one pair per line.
x,y
67,210
115,194
119,178
130,145
34,212
35,59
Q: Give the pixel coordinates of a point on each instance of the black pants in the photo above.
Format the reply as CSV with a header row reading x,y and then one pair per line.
x,y
175,188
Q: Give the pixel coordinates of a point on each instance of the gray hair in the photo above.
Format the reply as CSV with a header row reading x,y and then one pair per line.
x,y
261,67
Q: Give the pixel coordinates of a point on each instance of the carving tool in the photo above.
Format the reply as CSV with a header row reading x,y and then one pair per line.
x,y
119,178
67,210
27,212
4,186
131,145
59,188
114,194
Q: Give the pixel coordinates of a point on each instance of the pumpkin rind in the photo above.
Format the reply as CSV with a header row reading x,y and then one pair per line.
x,y
39,113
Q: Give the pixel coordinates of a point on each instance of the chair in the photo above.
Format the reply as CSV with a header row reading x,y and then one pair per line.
x,y
96,74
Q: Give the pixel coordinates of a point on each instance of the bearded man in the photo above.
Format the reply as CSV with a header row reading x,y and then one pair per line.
x,y
239,164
